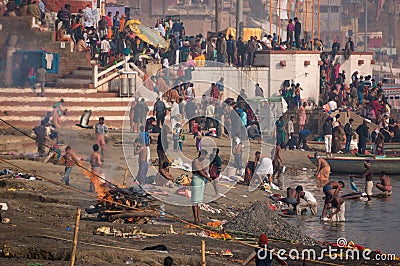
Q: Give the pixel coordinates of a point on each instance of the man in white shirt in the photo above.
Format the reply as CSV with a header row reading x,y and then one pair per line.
x,y
307,201
105,48
209,116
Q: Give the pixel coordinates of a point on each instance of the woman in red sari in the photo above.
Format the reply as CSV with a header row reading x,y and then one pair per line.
x,y
214,93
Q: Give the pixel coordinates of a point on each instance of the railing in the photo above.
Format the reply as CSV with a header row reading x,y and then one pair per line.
x,y
105,76
137,69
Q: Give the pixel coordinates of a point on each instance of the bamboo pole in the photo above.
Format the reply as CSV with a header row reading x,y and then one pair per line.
x,y
296,9
319,20
216,16
306,20
288,10
312,25
203,253
270,17
279,22
75,242
125,176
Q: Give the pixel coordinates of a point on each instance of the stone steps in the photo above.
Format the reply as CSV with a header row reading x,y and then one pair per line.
x,y
82,72
23,109
69,86
80,78
73,81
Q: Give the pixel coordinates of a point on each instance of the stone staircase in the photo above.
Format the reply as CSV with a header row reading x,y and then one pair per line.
x,y
82,77
23,109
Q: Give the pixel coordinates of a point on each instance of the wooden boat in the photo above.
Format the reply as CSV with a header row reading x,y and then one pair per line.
x,y
390,147
355,165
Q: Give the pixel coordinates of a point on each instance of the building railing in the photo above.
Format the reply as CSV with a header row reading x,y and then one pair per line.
x,y
105,76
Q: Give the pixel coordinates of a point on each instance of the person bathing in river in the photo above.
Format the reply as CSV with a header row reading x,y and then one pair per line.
x,y
323,171
384,184
292,197
331,189
369,176
308,201
337,209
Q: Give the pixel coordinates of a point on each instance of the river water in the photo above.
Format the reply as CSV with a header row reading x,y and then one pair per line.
x,y
373,224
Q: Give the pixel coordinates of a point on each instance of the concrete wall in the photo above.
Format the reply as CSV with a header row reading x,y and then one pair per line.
x,y
352,64
234,79
272,74
296,71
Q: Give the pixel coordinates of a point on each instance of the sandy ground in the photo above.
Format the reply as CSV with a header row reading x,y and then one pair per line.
x,y
42,213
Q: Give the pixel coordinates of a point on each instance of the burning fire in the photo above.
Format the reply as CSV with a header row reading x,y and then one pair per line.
x,y
99,187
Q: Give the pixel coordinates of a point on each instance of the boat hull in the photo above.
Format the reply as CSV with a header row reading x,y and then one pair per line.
x,y
390,146
355,165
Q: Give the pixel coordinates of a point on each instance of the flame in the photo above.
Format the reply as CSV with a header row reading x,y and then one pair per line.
x,y
99,187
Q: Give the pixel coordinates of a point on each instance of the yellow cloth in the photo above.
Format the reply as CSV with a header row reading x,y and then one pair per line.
x,y
247,32
135,26
200,60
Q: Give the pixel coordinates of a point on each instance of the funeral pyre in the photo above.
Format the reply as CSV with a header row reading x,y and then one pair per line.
x,y
127,205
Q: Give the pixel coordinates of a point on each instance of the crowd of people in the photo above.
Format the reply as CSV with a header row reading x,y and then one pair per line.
x,y
108,40
18,8
366,98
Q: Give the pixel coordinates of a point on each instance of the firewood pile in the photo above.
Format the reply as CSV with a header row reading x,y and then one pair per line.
x,y
127,205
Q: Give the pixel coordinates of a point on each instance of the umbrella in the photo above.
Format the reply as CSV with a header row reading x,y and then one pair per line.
x,y
146,34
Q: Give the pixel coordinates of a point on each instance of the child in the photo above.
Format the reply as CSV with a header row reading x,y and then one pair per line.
x,y
182,138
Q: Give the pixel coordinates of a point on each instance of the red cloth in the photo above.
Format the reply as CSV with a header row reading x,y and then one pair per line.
x,y
109,21
214,92
376,106
263,239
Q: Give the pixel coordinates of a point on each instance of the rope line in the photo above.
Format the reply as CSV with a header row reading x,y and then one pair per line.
x,y
44,144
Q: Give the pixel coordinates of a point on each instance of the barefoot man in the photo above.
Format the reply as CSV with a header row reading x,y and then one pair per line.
x,y
200,176
331,189
95,163
337,210
369,176
323,171
384,183
101,130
